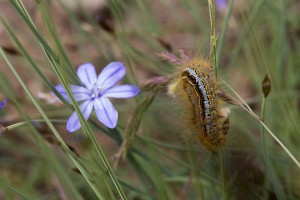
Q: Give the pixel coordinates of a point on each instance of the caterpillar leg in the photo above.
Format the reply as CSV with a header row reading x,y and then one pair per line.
x,y
225,126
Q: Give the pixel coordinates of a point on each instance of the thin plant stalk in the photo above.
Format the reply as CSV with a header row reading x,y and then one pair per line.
x,y
223,173
26,123
213,61
274,181
57,63
74,194
213,38
247,108
49,123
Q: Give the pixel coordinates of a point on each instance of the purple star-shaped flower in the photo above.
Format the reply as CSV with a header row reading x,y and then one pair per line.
x,y
221,4
2,103
96,91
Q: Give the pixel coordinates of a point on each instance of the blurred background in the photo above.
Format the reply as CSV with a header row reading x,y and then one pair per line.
x,y
255,38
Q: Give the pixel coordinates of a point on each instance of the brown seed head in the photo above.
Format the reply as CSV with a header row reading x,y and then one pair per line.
x,y
266,86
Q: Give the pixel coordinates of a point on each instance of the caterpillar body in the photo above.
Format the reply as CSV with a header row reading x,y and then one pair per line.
x,y
196,88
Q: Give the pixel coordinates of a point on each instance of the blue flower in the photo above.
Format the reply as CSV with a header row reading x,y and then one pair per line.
x,y
221,4
95,92
2,103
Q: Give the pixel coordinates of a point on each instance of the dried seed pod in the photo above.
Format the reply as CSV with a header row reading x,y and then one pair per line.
x,y
266,85
11,50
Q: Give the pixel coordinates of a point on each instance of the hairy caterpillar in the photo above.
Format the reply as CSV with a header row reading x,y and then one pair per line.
x,y
196,88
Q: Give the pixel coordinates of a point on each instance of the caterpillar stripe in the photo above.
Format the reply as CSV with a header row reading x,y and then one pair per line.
x,y
196,89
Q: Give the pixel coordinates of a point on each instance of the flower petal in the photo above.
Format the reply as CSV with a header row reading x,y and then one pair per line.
x,y
62,91
80,93
106,113
3,103
111,75
122,91
87,74
73,123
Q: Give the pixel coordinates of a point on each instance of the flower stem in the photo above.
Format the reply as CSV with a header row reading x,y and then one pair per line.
x,y
223,173
213,38
247,108
213,62
271,175
25,123
78,164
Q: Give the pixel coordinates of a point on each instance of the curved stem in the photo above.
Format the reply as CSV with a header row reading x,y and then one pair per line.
x,y
247,108
270,172
25,123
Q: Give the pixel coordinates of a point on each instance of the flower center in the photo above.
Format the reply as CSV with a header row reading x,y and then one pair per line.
x,y
96,92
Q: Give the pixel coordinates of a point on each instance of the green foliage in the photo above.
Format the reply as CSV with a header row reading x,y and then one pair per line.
x,y
152,156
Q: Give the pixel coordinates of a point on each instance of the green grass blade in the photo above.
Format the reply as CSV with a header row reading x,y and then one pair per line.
x,y
49,123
